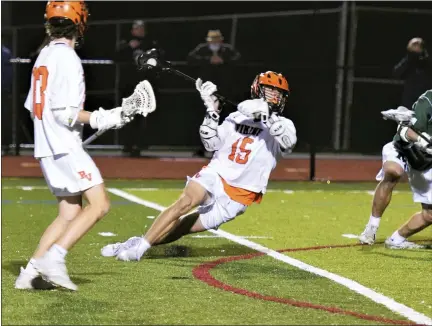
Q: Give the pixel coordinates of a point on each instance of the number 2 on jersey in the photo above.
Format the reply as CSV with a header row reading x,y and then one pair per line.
x,y
239,158
40,79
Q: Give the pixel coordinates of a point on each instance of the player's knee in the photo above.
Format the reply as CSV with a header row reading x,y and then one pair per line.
x,y
70,214
102,208
427,215
392,174
184,204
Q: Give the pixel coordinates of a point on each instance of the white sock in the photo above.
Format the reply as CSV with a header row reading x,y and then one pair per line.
x,y
57,252
374,221
145,245
397,238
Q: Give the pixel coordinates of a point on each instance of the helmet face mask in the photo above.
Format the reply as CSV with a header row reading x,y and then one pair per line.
x,y
273,88
66,19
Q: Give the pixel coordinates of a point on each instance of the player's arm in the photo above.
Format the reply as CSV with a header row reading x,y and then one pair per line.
x,y
284,132
420,121
210,132
66,107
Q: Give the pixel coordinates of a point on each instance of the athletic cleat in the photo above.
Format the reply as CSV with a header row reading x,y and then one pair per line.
x,y
24,280
390,244
369,235
114,249
134,252
55,272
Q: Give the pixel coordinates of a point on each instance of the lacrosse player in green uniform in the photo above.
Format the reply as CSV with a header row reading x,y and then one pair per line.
x,y
414,142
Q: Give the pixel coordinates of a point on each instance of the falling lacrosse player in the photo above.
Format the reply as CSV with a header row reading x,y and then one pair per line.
x,y
246,148
414,143
55,102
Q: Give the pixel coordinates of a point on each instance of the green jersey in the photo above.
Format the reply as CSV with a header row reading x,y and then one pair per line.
x,y
422,118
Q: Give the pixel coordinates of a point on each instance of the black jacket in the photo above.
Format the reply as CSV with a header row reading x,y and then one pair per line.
x,y
125,54
202,54
416,70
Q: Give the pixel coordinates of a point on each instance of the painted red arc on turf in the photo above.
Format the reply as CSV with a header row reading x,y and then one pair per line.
x,y
202,273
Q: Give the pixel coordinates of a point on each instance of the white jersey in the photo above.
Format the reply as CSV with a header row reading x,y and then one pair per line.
x,y
248,153
57,82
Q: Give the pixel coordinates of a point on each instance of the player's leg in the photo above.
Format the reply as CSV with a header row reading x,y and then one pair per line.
x,y
69,208
193,195
417,222
421,186
79,174
392,170
217,209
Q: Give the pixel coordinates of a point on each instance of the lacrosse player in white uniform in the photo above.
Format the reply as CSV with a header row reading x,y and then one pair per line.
x,y
246,148
55,101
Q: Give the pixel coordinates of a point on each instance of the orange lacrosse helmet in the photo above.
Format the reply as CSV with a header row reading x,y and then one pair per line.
x,y
273,88
67,12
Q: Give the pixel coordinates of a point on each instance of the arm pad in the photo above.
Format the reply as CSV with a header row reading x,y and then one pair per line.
x,y
66,115
209,132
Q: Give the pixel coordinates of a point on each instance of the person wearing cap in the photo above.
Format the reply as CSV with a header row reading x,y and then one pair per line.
x,y
214,51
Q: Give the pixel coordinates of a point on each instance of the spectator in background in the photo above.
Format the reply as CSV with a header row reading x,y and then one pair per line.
x,y
6,99
127,52
215,59
416,70
214,52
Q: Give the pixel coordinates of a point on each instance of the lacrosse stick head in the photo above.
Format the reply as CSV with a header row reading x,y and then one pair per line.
x,y
151,59
142,101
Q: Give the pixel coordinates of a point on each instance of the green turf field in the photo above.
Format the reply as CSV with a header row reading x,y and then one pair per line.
x,y
181,283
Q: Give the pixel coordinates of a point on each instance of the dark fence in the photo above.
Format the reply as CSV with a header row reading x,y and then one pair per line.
x,y
329,56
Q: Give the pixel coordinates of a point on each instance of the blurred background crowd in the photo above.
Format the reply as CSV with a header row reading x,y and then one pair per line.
x,y
345,62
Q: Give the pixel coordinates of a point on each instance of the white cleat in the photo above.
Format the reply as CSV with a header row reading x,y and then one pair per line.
x,y
134,252
55,272
24,280
114,249
369,235
390,244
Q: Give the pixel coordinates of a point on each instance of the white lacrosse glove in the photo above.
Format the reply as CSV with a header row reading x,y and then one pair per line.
x,y
255,109
401,114
283,130
108,119
206,91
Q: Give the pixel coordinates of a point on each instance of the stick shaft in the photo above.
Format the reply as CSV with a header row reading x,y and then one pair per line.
x,y
93,137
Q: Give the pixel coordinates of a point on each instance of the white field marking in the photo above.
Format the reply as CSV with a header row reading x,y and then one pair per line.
x,y
25,187
151,217
219,236
350,236
107,234
286,191
390,303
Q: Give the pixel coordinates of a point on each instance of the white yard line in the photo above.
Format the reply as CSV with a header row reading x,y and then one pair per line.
x,y
390,303
286,191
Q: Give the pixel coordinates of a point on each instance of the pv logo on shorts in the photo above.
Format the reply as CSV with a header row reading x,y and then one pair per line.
x,y
83,175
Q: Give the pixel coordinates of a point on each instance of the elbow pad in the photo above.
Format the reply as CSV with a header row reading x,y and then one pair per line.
x,y
284,133
66,115
208,132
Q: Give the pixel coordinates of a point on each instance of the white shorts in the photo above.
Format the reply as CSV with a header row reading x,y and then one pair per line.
x,y
389,153
220,208
70,174
421,185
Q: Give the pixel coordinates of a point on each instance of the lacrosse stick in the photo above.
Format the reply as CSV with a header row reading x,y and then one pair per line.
x,y
151,59
142,101
403,116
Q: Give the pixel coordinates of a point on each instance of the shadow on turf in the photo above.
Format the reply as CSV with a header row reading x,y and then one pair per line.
x,y
222,250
